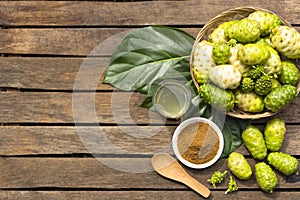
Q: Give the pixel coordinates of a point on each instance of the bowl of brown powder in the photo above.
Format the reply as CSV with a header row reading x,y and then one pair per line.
x,y
198,142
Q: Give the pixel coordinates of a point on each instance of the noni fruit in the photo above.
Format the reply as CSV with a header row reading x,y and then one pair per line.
x,y
221,53
266,20
256,72
279,97
274,132
283,162
289,73
263,85
273,64
249,101
247,84
203,60
254,141
254,54
239,166
244,30
275,83
225,76
235,61
232,185
265,177
286,40
218,34
217,177
217,97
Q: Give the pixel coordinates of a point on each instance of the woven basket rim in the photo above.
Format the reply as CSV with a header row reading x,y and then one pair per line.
x,y
203,32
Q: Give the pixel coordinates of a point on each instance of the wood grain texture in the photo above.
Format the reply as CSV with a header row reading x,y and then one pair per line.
x,y
50,73
56,107
48,140
65,41
128,14
101,107
92,173
143,195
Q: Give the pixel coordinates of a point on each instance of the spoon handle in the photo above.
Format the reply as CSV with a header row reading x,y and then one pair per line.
x,y
197,186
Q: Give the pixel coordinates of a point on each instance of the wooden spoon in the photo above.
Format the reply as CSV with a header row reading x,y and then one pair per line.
x,y
167,166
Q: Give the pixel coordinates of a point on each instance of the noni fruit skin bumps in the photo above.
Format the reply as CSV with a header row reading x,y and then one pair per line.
x,y
289,73
225,76
243,31
249,101
254,141
217,97
265,177
239,166
266,20
247,84
283,162
274,132
203,60
235,61
263,85
221,53
286,40
279,97
254,54
218,34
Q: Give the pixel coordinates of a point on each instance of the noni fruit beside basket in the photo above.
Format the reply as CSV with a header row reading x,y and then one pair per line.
x,y
253,59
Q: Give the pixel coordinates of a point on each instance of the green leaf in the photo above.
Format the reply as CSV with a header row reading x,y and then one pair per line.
x,y
148,54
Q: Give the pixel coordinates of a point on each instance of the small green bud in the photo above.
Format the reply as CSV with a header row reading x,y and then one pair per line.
x,y
217,177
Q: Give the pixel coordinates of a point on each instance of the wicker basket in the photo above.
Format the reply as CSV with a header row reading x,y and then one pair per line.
x,y
236,13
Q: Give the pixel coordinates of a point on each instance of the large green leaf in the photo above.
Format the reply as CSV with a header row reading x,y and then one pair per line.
x,y
146,55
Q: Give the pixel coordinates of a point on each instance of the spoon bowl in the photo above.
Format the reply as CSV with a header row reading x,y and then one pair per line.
x,y
167,166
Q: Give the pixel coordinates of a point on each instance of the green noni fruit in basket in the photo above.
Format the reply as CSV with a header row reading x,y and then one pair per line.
x,y
249,101
289,74
244,31
254,54
279,97
266,20
286,40
219,98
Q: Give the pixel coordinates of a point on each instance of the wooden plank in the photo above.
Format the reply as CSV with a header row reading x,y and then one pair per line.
x,y
50,73
144,195
56,107
93,173
68,13
35,140
116,107
65,41
45,140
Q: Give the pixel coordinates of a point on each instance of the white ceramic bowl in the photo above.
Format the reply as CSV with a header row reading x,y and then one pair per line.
x,y
191,121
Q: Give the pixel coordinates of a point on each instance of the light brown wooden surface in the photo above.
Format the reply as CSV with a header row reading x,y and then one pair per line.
x,y
51,147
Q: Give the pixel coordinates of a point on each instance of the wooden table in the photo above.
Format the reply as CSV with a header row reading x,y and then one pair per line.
x,y
49,142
